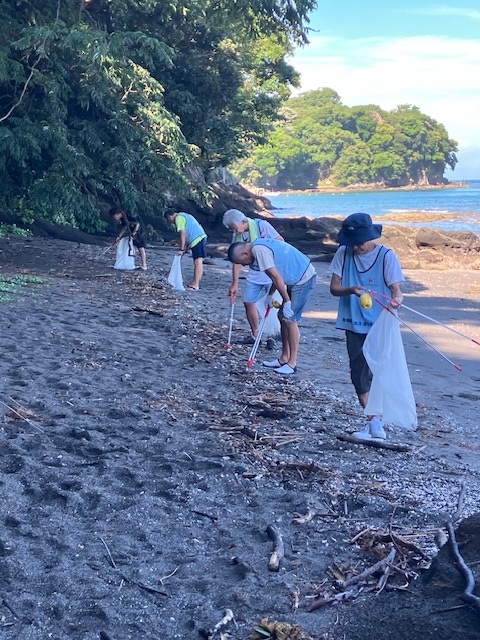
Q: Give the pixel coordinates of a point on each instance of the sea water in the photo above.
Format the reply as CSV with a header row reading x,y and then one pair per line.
x,y
452,209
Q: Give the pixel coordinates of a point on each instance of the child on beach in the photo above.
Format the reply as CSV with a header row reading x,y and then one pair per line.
x,y
193,238
360,264
134,227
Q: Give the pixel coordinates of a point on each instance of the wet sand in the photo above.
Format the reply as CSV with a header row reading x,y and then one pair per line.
x,y
139,484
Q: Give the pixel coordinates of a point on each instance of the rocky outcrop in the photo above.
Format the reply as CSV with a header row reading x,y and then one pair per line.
x,y
310,235
428,248
417,248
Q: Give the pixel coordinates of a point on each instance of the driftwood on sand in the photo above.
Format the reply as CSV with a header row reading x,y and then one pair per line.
x,y
278,550
466,572
378,444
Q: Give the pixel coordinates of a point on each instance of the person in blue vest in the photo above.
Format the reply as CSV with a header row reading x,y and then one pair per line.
x,y
193,238
294,277
358,265
257,285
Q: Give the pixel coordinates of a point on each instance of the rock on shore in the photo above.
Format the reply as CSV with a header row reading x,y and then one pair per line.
x,y
417,248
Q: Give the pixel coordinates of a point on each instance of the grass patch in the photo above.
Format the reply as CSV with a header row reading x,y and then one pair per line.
x,y
16,284
13,230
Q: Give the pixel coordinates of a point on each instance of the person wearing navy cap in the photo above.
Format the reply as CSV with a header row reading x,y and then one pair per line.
x,y
361,264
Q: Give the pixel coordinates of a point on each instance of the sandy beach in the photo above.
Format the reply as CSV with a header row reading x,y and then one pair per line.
x,y
141,462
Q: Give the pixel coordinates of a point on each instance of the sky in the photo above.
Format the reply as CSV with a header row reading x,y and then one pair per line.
x,y
391,52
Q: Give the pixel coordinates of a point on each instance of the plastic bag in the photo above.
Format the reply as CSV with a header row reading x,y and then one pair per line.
x,y
391,395
272,325
125,258
175,278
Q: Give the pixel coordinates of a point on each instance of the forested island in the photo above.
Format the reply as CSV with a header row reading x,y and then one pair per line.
x,y
320,142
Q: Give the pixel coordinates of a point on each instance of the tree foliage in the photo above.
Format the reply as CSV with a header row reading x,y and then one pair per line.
x,y
113,102
320,140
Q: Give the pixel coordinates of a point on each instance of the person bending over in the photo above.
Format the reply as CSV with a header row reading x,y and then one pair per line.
x,y
258,283
294,277
133,226
193,238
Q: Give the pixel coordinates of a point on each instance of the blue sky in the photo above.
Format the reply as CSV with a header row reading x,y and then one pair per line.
x,y
402,52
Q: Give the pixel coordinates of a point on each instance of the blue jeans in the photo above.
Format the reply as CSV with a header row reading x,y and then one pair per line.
x,y
299,295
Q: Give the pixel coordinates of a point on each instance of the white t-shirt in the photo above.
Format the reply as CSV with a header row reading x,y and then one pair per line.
x,y
392,271
265,259
266,231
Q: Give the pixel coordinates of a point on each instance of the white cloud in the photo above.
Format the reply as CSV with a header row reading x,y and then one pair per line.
x,y
437,74
444,10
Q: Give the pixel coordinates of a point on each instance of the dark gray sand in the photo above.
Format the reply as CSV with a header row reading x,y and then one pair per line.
x,y
138,487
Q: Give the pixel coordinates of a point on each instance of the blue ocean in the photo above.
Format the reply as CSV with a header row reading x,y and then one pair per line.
x,y
452,209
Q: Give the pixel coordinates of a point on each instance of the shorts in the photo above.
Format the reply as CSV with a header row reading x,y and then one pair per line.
x,y
360,373
200,250
299,295
140,242
254,292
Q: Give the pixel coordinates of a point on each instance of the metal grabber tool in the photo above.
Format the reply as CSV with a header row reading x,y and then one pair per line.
x,y
230,325
253,352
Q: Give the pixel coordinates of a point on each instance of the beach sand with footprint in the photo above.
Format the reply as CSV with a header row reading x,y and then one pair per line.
x,y
141,462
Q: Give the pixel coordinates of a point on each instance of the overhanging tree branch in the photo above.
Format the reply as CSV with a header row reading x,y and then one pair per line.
x,y
22,94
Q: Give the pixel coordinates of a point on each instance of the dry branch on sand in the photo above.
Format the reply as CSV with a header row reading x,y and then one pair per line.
x,y
467,574
278,550
19,413
404,559
217,630
378,444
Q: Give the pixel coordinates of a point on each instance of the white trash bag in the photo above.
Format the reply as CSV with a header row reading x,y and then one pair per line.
x,y
272,325
125,258
175,278
391,395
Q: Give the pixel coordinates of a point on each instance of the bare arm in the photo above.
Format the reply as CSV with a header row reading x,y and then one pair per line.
x,y
336,288
125,228
278,283
397,295
183,236
123,232
233,290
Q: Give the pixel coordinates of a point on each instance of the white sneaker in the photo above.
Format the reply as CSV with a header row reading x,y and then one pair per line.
x,y
286,370
273,364
377,432
364,434
372,431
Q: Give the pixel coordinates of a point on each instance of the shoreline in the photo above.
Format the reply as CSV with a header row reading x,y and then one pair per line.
x,y
357,188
